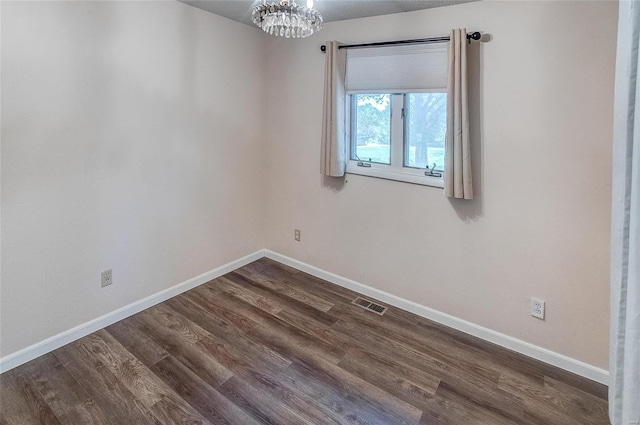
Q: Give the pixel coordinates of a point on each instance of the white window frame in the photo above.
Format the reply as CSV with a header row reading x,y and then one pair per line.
x,y
396,170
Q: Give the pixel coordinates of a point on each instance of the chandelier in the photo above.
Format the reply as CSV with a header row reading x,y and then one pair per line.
x,y
287,19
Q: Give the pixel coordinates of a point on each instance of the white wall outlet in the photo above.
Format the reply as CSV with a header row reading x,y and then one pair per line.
x,y
537,308
296,234
106,277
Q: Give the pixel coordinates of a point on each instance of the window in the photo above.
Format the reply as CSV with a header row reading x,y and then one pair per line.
x,y
398,136
397,115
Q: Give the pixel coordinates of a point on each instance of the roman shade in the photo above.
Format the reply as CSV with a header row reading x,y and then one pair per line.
x,y
402,68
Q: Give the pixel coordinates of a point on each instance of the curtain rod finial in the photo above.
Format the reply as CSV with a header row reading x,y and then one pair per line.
x,y
323,48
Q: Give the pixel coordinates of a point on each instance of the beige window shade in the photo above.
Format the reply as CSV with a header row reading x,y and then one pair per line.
x,y
400,68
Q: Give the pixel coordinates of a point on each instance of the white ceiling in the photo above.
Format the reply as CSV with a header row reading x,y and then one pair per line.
x,y
331,10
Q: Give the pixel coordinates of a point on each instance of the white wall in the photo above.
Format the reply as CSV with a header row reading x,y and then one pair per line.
x,y
130,140
542,96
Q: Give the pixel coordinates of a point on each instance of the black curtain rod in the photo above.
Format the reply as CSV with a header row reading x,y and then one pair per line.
x,y
473,36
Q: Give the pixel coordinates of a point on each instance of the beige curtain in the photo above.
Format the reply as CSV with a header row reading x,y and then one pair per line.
x,y
457,168
333,155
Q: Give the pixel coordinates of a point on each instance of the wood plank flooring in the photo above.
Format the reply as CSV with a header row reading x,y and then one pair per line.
x,y
267,344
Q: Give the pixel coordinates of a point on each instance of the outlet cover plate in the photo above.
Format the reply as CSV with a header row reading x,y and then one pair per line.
x,y
106,277
537,308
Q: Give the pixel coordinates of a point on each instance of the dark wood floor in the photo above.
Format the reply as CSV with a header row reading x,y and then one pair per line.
x,y
267,344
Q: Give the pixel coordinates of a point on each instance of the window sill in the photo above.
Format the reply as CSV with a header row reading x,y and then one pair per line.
x,y
379,173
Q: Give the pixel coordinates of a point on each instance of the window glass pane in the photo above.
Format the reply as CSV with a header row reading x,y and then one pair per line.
x,y
372,138
426,125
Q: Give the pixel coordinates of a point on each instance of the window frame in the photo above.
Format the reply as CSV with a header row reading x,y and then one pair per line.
x,y
396,171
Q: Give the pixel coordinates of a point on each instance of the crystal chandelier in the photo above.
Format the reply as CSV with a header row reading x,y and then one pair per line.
x,y
287,19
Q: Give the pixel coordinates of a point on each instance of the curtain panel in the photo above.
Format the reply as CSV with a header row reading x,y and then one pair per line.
x,y
333,154
624,357
457,168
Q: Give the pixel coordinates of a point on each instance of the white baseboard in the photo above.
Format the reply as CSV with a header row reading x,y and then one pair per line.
x,y
522,347
575,366
20,357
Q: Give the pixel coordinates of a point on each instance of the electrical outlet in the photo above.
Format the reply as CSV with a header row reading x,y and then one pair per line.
x,y
106,277
296,234
537,308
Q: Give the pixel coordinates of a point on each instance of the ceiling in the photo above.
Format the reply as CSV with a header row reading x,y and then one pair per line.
x,y
331,10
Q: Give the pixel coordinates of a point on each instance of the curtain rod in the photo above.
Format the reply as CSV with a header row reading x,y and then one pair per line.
x,y
473,36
